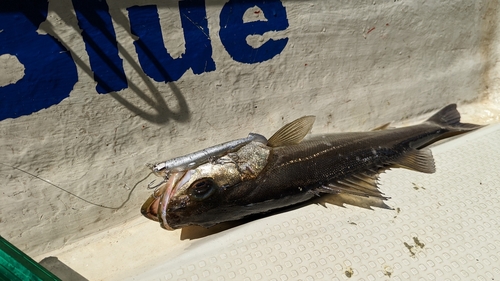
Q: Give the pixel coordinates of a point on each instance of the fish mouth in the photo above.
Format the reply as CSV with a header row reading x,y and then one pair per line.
x,y
155,208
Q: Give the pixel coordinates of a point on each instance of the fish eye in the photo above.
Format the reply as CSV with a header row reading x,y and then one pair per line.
x,y
202,188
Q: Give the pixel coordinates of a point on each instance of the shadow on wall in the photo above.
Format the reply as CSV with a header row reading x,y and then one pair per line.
x,y
51,71
98,33
49,78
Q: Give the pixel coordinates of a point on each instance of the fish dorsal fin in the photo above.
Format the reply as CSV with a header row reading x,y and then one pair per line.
x,y
292,133
418,160
448,115
362,184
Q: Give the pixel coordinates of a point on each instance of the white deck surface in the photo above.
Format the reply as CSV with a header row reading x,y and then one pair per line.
x,y
443,226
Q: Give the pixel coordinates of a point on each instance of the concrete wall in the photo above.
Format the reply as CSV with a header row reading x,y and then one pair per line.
x,y
91,91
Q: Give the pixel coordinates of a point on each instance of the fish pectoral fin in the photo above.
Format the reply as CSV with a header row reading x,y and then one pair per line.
x,y
293,132
418,160
357,184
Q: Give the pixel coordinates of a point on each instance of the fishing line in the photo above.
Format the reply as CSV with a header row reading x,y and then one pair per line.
x,y
77,196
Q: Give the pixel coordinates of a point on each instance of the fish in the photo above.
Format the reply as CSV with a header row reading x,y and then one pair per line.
x,y
260,176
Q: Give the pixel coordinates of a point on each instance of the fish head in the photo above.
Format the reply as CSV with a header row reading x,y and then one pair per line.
x,y
198,196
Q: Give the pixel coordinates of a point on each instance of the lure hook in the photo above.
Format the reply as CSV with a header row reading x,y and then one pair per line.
x,y
151,186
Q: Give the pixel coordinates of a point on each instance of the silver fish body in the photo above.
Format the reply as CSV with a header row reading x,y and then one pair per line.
x,y
261,177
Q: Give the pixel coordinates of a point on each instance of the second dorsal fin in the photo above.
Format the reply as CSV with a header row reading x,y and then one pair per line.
x,y
382,127
293,132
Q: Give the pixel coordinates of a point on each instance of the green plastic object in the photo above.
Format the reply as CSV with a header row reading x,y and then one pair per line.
x,y
16,265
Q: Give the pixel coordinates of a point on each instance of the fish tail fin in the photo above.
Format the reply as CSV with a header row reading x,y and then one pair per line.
x,y
449,118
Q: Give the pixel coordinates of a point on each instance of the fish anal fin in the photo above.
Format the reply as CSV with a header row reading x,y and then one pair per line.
x,y
292,133
418,160
356,184
358,201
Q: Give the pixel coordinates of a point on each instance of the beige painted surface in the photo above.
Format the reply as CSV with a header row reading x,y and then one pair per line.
x,y
354,64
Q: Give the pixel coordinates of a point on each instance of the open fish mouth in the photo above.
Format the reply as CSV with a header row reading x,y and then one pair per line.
x,y
155,208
